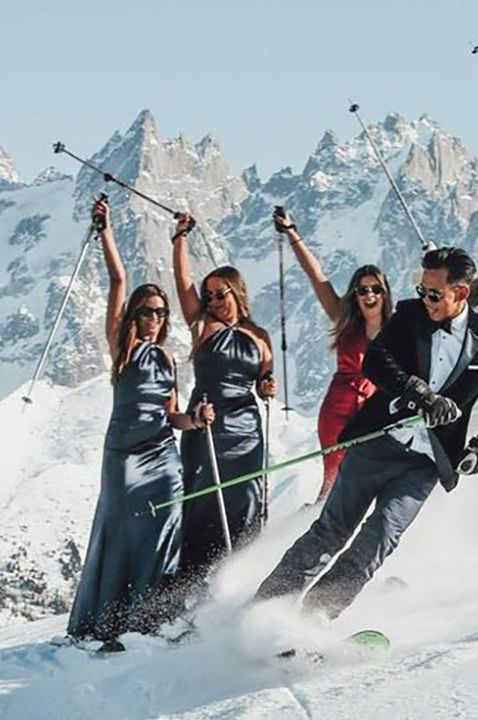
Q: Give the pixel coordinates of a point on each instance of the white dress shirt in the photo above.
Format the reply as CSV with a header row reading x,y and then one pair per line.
x,y
445,351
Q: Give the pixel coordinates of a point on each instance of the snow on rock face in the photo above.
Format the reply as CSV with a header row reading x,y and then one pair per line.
x,y
8,175
50,174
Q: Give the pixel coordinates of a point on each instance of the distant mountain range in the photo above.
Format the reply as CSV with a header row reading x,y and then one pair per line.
x,y
341,201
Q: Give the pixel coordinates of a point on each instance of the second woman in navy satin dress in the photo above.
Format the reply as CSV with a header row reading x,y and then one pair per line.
x,y
231,357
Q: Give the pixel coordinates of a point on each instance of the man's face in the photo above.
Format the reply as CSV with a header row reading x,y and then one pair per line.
x,y
442,299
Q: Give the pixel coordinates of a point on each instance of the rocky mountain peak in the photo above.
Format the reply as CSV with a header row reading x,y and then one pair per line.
x,y
50,174
8,173
251,178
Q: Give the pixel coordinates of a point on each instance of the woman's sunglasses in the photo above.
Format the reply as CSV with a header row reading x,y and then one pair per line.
x,y
148,312
376,289
433,295
209,295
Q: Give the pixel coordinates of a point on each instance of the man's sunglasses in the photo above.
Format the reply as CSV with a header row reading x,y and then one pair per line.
x,y
209,295
376,289
148,312
433,295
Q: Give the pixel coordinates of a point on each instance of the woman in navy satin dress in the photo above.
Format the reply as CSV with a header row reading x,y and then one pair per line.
x,y
132,556
231,356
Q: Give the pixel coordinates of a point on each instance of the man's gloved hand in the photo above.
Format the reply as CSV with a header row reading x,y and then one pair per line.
x,y
436,409
468,464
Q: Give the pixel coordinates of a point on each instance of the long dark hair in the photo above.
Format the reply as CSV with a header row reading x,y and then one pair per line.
x,y
128,331
350,314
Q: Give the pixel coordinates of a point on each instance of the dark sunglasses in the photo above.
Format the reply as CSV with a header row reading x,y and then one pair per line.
x,y
376,289
148,312
209,295
433,295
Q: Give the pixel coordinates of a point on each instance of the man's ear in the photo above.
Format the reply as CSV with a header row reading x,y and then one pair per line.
x,y
463,292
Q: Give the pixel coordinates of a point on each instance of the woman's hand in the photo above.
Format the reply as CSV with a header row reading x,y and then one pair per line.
x,y
101,212
184,225
268,387
284,224
204,414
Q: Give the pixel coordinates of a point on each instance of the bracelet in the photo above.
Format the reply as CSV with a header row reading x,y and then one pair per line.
x,y
294,242
182,233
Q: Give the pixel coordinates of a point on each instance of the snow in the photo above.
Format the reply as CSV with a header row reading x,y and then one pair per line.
x,y
230,670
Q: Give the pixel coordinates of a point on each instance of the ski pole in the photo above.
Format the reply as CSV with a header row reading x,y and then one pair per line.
x,y
93,232
60,147
265,478
265,481
426,245
345,445
280,244
217,484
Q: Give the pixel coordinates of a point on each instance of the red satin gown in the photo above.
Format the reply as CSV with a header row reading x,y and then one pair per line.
x,y
346,394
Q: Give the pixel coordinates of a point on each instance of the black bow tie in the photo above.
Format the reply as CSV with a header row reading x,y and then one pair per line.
x,y
444,325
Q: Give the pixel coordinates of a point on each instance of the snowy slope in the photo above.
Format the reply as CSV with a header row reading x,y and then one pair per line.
x,y
50,485
230,672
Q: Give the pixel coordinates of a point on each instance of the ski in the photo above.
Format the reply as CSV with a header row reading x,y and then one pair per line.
x,y
99,648
365,641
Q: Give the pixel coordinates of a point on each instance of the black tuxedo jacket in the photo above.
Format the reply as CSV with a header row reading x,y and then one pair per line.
x,y
401,349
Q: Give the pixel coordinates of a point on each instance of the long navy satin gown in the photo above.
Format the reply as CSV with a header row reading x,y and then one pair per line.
x,y
226,366
132,559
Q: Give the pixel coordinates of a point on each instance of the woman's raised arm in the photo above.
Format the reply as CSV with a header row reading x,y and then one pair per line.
x,y
324,289
117,275
188,295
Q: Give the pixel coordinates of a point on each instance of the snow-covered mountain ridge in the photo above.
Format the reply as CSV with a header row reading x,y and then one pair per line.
x,y
348,213
341,201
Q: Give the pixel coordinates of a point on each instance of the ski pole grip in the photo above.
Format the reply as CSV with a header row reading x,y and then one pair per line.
x,y
204,401
97,222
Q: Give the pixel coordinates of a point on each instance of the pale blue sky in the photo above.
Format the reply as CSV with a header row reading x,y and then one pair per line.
x,y
267,78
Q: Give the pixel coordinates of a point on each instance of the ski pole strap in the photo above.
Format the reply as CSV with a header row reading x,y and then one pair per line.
x,y
400,425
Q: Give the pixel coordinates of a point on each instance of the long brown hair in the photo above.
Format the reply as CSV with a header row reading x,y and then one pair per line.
x,y
350,314
128,331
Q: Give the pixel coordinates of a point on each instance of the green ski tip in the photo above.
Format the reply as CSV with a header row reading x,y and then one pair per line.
x,y
373,639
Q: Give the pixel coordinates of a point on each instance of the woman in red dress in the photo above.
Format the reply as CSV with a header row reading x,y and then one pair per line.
x,y
357,317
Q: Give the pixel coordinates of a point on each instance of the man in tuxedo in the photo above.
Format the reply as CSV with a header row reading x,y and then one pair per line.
x,y
425,360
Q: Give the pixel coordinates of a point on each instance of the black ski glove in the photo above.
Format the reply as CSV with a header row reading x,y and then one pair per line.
x,y
436,409
468,464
